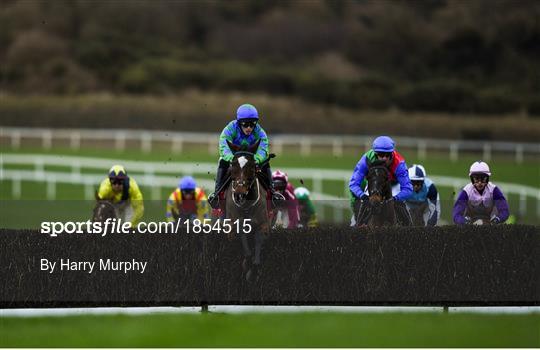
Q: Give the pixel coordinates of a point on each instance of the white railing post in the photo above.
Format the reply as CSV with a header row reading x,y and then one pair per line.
x,y
421,150
75,140
46,138
213,146
337,147
16,139
519,154
454,152
486,152
305,146
39,168
51,188
177,143
120,141
146,142
278,146
75,170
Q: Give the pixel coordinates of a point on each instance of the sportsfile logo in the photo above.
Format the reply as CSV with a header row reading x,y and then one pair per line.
x,y
196,226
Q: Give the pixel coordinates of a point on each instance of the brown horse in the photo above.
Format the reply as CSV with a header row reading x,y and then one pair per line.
x,y
379,209
103,210
417,214
245,201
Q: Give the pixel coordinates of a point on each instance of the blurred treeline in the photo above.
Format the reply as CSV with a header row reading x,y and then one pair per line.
x,y
480,56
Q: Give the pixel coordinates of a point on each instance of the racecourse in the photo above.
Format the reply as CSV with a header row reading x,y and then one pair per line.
x,y
504,169
269,326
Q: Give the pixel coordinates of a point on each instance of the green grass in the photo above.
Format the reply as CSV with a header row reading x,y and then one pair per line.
x,y
504,168
14,215
274,330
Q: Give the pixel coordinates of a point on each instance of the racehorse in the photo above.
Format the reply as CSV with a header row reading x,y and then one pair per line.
x,y
417,214
379,210
245,198
103,210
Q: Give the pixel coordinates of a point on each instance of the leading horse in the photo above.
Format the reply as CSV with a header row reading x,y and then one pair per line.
x,y
245,201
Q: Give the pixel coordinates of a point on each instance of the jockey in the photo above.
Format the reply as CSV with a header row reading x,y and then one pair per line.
x,y
187,201
480,199
282,185
306,209
124,193
424,194
383,149
244,131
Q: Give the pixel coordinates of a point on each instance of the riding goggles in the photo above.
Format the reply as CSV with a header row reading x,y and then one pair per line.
x,y
117,181
480,178
248,124
417,182
383,154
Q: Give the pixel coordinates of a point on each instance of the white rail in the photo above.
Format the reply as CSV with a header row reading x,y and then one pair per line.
x,y
305,143
147,175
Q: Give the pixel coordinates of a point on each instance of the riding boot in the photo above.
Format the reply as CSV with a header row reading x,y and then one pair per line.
x,y
402,213
213,199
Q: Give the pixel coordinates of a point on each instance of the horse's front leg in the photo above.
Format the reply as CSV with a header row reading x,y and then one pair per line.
x,y
259,238
245,245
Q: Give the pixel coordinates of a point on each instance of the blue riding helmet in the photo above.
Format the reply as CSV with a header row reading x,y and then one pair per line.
x,y
383,144
187,183
247,111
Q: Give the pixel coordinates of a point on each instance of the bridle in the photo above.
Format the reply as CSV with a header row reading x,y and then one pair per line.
x,y
243,182
378,192
235,196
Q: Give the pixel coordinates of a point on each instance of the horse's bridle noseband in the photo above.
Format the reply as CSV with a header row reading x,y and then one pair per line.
x,y
236,183
233,192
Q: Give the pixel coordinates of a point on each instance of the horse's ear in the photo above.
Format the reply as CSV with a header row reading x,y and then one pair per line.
x,y
254,147
234,148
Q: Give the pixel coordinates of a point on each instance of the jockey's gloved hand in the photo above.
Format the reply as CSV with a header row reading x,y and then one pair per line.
x,y
276,196
467,219
495,220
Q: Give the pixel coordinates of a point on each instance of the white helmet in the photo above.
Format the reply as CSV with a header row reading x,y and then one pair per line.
x,y
417,173
479,167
